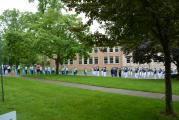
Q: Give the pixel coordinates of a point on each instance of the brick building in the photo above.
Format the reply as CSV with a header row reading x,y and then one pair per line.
x,y
109,57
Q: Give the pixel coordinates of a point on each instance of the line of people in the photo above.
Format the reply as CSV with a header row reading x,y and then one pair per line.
x,y
143,73
126,72
24,70
96,71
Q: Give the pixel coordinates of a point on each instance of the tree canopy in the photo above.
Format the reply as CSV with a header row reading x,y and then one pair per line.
x,y
16,40
55,37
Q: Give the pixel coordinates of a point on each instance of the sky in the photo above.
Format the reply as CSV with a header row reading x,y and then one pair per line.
x,y
24,5
21,5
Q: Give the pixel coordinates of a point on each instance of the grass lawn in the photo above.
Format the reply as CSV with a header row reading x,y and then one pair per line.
x,y
34,100
133,84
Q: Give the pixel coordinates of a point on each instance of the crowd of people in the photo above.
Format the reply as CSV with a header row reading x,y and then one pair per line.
x,y
143,73
24,70
124,72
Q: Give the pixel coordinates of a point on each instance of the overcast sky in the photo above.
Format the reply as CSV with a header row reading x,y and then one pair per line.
x,y
24,5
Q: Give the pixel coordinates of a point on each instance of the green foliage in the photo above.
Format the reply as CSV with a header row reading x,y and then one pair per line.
x,y
55,38
128,23
17,41
1,52
19,48
16,38
43,5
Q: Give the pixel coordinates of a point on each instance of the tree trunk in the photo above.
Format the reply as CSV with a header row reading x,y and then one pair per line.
x,y
168,83
57,65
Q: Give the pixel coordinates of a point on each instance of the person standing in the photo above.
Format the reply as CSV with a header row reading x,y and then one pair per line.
x,y
126,72
31,69
119,72
46,70
104,71
19,69
85,72
9,69
41,70
155,73
137,73
5,69
75,71
38,68
49,70
112,72
144,73
115,71
94,71
97,70
66,69
148,73
26,69
160,73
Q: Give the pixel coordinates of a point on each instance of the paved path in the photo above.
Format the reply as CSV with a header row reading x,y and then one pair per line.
x,y
109,90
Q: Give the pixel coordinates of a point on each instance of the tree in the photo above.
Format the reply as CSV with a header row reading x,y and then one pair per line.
x,y
56,37
43,5
147,52
16,40
129,23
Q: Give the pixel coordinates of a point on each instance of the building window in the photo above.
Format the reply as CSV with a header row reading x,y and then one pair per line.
x,y
85,61
90,60
111,59
106,60
128,60
71,61
116,49
95,50
105,49
116,59
96,60
80,60
110,49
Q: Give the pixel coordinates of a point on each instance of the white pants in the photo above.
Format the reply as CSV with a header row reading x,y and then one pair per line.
x,y
97,73
148,74
136,75
155,76
126,74
104,74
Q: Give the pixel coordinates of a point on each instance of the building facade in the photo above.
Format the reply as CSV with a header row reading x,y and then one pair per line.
x,y
107,57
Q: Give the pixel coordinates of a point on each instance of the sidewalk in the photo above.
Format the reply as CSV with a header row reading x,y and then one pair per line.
x,y
109,90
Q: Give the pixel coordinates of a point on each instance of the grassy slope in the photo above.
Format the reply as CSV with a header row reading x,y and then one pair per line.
x,y
39,101
133,84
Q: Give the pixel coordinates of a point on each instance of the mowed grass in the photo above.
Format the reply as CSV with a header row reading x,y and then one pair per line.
x,y
35,100
123,83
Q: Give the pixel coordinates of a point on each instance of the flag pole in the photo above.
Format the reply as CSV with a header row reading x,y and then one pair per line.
x,y
2,84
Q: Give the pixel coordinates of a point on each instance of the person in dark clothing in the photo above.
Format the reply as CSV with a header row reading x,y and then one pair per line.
x,y
119,72
112,72
115,72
